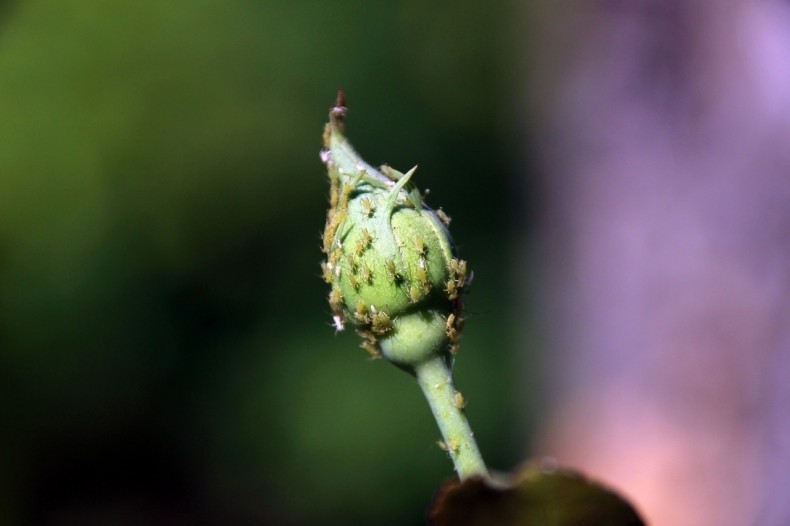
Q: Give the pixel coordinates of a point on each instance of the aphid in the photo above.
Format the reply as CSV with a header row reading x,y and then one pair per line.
x,y
337,321
458,266
461,273
366,237
368,208
420,246
341,212
451,447
398,241
335,299
422,277
361,313
450,322
366,274
329,235
392,271
409,201
352,262
391,172
454,348
451,289
371,349
359,248
364,241
458,400
367,335
334,258
333,195
415,293
338,216
326,272
381,323
443,217
353,281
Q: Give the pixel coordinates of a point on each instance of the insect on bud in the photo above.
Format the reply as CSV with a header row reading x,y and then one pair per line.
x,y
385,249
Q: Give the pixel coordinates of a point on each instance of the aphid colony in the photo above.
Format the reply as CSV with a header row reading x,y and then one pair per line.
x,y
389,258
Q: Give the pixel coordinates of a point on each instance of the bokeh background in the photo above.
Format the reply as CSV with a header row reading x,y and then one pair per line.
x,y
617,173
166,354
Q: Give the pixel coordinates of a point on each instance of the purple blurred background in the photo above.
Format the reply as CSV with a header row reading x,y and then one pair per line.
x,y
664,147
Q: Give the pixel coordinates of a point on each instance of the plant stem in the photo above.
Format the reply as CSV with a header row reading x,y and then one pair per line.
x,y
436,381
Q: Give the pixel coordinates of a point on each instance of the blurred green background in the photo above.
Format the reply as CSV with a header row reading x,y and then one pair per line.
x,y
166,354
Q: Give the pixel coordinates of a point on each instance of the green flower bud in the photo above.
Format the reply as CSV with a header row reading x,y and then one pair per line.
x,y
389,258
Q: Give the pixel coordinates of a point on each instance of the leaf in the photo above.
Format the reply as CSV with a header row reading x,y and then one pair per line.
x,y
538,497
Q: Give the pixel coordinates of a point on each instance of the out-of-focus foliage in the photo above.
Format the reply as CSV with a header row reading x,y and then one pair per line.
x,y
165,348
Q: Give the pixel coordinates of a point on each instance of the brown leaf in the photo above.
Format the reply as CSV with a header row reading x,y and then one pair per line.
x,y
537,497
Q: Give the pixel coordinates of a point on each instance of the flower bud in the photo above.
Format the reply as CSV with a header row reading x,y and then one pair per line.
x,y
389,258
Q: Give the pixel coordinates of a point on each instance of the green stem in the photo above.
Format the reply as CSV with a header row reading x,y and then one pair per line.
x,y
436,381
